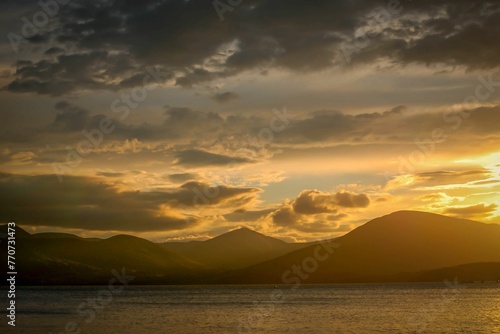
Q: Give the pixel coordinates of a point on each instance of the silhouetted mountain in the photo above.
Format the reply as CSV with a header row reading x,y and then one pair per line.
x,y
472,272
403,246
51,235
402,242
50,258
236,249
180,246
20,233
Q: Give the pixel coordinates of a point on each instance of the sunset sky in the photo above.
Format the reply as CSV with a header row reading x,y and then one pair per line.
x,y
185,119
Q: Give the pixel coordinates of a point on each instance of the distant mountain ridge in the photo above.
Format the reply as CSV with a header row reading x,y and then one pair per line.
x,y
49,258
385,247
402,246
237,249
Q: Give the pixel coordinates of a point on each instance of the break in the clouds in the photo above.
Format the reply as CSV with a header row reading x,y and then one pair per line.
x,y
107,45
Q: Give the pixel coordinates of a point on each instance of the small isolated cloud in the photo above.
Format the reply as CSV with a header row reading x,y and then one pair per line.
x,y
199,158
225,97
313,202
181,177
110,174
473,211
316,210
437,197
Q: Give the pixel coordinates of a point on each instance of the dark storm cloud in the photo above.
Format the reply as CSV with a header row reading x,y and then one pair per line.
x,y
457,33
91,204
65,74
112,41
466,35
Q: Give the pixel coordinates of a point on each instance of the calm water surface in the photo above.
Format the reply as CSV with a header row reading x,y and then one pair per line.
x,y
396,308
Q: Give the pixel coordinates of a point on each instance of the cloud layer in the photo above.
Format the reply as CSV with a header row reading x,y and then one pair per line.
x,y
90,204
108,44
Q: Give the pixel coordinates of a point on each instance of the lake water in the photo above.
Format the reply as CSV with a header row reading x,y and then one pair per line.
x,y
376,308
